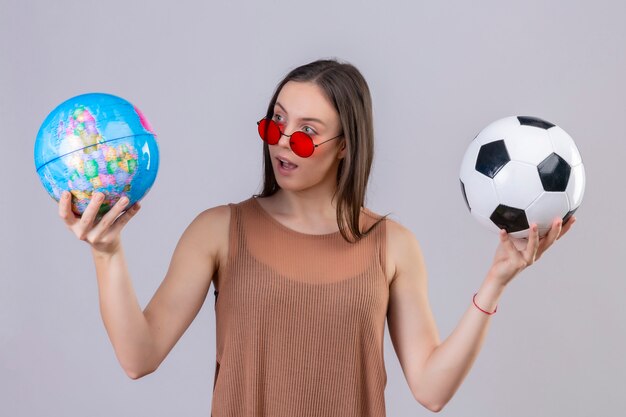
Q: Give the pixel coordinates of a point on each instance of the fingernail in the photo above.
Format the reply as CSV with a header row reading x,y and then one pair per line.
x,y
123,201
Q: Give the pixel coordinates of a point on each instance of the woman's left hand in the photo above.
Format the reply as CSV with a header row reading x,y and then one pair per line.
x,y
513,255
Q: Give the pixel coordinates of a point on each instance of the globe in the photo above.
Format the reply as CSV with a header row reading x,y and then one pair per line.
x,y
96,143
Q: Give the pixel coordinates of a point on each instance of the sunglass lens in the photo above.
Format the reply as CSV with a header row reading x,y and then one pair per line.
x,y
301,144
269,131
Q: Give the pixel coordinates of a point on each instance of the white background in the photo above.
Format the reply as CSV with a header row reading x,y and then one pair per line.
x,y
203,73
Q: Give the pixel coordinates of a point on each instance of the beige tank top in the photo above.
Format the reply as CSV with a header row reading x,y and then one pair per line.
x,y
300,321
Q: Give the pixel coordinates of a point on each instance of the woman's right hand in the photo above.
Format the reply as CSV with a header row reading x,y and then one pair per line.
x,y
102,235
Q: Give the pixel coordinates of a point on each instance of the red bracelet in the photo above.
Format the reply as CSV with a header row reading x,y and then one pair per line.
x,y
486,312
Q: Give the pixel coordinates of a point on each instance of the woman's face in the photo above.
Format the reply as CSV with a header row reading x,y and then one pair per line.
x,y
303,106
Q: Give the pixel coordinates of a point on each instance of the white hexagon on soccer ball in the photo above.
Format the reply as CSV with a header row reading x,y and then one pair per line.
x,y
564,145
497,130
547,207
480,193
527,176
576,186
528,144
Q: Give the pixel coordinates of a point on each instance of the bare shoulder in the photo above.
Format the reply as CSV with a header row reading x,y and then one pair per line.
x,y
210,229
369,219
403,250
214,216
396,232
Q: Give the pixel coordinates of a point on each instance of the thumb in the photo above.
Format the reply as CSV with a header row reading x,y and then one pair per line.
x,y
504,237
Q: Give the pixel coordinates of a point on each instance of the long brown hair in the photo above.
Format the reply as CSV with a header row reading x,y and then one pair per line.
x,y
346,88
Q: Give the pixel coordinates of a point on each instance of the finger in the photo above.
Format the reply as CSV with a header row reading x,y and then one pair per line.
x,y
503,235
107,220
512,245
65,209
122,220
555,231
567,226
89,215
505,239
533,244
550,238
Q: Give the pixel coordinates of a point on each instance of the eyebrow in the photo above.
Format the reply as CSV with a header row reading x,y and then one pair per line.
x,y
306,119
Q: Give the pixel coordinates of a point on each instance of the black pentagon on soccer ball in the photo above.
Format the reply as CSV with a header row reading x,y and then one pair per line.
x,y
491,158
554,172
465,196
534,121
510,219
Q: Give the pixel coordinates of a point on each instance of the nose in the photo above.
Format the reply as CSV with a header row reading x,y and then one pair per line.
x,y
284,139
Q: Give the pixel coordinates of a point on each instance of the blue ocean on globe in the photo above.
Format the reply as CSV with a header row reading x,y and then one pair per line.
x,y
96,143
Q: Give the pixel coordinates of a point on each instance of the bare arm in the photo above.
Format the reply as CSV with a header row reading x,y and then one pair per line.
x,y
142,339
434,369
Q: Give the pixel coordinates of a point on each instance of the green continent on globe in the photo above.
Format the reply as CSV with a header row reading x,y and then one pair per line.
x,y
98,166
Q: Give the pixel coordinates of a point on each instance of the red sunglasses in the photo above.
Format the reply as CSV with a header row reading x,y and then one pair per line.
x,y
301,144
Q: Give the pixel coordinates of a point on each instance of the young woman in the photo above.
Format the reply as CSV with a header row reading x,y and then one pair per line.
x,y
304,274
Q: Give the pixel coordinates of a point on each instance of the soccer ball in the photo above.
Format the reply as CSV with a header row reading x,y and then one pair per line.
x,y
521,170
